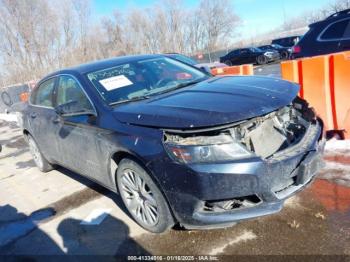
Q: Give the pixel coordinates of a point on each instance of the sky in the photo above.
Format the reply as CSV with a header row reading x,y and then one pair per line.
x,y
258,16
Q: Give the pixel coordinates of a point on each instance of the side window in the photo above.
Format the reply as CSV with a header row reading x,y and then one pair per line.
x,y
69,90
42,96
347,31
234,52
336,30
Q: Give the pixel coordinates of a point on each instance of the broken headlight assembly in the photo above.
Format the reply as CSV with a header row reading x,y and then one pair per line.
x,y
204,149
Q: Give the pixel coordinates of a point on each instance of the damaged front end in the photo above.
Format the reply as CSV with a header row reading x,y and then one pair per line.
x,y
266,159
262,136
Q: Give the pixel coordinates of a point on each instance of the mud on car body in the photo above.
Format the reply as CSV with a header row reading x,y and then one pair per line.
x,y
179,146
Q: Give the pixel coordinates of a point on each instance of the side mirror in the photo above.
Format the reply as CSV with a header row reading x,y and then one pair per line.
x,y
73,108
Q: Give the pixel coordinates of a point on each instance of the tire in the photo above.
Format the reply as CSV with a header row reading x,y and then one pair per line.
x,y
228,62
261,60
6,98
39,159
142,198
284,55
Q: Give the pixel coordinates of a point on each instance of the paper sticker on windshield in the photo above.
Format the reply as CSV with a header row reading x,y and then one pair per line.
x,y
115,82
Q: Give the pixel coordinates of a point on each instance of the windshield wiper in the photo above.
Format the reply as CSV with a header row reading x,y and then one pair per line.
x,y
136,98
176,87
147,95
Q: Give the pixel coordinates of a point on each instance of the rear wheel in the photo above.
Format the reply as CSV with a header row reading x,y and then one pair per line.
x,y
261,60
284,55
6,99
228,62
39,159
142,197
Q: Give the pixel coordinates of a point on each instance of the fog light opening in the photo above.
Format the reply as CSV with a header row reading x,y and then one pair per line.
x,y
231,204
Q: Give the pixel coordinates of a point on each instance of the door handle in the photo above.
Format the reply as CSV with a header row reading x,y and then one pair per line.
x,y
33,115
56,120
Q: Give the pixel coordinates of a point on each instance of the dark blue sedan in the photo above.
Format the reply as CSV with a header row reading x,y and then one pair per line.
x,y
179,146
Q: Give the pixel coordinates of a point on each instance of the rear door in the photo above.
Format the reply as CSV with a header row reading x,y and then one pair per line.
x,y
245,56
332,38
233,57
41,118
77,132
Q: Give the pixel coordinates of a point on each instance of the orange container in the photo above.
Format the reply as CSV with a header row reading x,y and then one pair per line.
x,y
340,87
289,70
234,70
229,70
325,84
316,87
24,96
248,69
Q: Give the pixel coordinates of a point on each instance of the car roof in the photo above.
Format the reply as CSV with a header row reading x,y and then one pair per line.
x,y
101,64
333,18
287,37
340,14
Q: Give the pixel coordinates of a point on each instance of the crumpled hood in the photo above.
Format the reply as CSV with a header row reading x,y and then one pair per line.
x,y
214,102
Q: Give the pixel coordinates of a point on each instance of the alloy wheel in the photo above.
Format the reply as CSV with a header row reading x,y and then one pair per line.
x,y
139,198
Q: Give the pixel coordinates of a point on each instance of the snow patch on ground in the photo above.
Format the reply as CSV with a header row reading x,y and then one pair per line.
x,y
334,146
336,172
337,156
245,236
8,117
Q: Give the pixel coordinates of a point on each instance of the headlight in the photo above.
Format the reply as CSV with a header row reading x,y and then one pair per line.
x,y
268,54
208,149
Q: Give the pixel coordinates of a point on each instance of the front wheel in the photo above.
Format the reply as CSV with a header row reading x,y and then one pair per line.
x,y
142,197
261,60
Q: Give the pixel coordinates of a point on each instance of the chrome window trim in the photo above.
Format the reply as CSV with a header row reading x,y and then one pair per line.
x,y
38,85
81,87
319,39
75,79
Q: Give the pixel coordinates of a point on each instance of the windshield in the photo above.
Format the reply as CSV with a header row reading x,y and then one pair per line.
x,y
144,78
277,46
255,49
184,59
265,47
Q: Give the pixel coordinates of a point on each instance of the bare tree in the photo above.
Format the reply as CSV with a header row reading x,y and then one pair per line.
x,y
39,36
29,34
82,9
219,23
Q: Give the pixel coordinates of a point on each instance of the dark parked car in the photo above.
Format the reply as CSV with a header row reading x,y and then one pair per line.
x,y
190,61
179,146
324,37
287,41
283,51
249,55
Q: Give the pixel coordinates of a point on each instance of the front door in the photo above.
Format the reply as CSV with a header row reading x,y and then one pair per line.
x,y
77,132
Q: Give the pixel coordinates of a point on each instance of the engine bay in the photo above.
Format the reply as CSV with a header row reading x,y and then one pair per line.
x,y
264,135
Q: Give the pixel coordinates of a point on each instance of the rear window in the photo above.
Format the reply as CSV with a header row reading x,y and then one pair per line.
x,y
336,31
